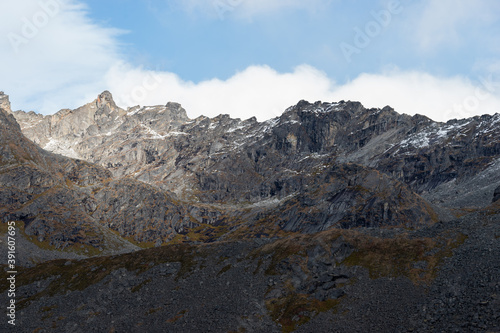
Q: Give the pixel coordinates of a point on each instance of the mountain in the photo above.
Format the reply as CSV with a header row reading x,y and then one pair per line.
x,y
198,158
231,174
279,163
67,204
316,166
331,217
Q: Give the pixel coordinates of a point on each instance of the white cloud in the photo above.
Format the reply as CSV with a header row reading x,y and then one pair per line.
x,y
262,92
257,91
413,92
52,54
443,23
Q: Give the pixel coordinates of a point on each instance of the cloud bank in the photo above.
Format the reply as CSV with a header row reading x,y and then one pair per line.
x,y
52,54
262,92
257,91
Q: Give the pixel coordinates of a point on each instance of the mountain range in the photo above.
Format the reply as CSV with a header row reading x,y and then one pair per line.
x,y
325,205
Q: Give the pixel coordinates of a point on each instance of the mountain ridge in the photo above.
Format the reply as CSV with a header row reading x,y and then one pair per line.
x,y
377,138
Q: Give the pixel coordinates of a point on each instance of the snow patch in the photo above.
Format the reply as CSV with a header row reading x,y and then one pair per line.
x,y
237,128
134,111
175,134
270,124
272,201
432,134
313,156
153,133
62,148
419,140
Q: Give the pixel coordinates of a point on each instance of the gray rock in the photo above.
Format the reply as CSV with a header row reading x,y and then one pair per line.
x,y
328,285
4,102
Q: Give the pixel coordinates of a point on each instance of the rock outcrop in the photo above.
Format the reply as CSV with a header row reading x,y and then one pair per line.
x,y
4,102
75,205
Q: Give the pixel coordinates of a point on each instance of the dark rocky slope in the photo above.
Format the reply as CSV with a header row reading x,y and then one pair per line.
x,y
442,278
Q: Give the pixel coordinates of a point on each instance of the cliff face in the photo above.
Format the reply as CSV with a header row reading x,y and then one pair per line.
x,y
5,102
229,160
35,190
232,172
71,204
317,166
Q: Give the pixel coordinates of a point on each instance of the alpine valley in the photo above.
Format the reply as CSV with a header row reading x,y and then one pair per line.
x,y
330,218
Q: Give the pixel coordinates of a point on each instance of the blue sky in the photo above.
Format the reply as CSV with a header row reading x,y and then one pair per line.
x,y
440,58
214,41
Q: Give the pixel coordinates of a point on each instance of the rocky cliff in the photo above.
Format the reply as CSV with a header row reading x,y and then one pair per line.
x,y
232,173
47,193
319,165
4,102
230,160
63,203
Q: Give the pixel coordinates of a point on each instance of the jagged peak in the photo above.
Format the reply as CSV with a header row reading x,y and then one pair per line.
x,y
171,109
302,106
178,109
105,98
421,119
387,108
5,102
174,105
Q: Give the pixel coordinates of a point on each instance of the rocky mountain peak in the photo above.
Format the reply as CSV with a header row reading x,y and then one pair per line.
x,y
162,146
178,110
105,98
303,107
4,102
